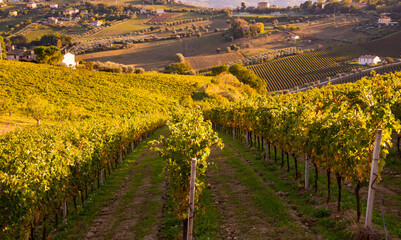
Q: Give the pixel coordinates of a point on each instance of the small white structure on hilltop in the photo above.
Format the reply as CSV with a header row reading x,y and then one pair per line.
x,y
368,60
54,5
69,60
159,11
31,5
12,13
97,23
294,37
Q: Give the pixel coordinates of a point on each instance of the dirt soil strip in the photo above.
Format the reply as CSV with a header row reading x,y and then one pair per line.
x,y
134,212
243,210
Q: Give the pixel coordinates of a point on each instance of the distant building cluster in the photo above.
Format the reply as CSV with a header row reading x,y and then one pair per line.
x,y
28,55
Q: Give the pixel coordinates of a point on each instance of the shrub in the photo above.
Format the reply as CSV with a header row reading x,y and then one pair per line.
x,y
179,68
179,57
389,60
246,76
216,70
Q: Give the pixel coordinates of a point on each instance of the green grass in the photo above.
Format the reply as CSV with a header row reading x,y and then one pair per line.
x,y
79,222
206,223
308,207
264,198
122,28
313,205
13,22
184,16
39,32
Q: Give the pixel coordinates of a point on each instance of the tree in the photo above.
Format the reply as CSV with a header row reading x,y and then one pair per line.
x,y
243,6
38,108
51,39
66,40
49,55
260,27
3,52
246,76
18,40
239,28
179,57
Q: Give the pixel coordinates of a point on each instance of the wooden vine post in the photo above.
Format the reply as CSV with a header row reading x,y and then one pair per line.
x,y
65,211
372,181
306,172
191,204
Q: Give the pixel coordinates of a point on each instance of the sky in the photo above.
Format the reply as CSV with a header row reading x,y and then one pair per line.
x,y
236,3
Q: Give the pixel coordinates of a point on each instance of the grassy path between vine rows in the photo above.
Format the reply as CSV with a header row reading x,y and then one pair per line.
x,y
250,208
317,217
134,212
128,205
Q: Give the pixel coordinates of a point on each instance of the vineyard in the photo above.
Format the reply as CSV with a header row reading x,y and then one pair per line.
x,y
42,166
385,47
299,69
334,128
95,94
50,172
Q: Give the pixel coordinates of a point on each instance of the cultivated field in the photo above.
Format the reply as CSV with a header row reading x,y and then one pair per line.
x,y
202,62
159,54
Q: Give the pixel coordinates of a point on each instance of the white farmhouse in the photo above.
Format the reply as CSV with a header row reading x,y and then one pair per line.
x,y
159,11
31,5
69,60
54,5
294,37
384,20
143,11
12,13
368,60
97,23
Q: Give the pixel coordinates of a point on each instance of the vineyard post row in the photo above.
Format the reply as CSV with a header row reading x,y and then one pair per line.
x,y
334,126
251,139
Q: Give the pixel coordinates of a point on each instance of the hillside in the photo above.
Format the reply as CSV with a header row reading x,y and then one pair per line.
x,y
236,3
95,93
